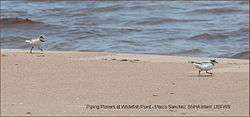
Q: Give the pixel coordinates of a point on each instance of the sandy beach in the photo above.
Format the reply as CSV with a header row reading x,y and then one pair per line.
x,y
78,83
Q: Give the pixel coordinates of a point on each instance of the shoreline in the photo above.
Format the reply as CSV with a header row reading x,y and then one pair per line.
x,y
70,83
143,54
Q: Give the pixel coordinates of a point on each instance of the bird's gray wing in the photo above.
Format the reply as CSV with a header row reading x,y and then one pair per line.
x,y
195,62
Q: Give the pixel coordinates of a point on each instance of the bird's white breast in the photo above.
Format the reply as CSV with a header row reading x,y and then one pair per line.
x,y
204,66
36,42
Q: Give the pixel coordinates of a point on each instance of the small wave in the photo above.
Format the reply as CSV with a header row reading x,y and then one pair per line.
x,y
121,30
215,11
207,36
111,31
242,31
129,42
135,7
60,11
12,13
91,11
241,55
130,30
12,39
244,2
87,11
86,34
12,22
45,0
64,46
157,21
126,41
104,31
192,52
149,6
13,42
107,9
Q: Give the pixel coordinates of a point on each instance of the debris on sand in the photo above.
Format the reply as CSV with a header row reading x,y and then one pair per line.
x,y
28,113
3,55
155,94
123,59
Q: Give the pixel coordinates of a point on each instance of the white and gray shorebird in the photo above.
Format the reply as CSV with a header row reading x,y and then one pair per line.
x,y
36,43
205,65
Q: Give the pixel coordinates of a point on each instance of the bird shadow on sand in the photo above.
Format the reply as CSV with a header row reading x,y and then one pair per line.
x,y
35,53
38,54
201,75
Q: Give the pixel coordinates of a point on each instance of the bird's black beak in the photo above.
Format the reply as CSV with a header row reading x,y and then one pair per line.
x,y
214,61
42,40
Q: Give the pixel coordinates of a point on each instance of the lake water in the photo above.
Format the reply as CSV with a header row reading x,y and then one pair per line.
x,y
187,28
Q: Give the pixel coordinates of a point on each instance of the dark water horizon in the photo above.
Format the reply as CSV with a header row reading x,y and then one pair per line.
x,y
186,28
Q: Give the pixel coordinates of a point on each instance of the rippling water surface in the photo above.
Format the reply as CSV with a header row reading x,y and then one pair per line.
x,y
190,28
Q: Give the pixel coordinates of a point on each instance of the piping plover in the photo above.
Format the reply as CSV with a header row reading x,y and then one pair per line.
x,y
36,43
204,66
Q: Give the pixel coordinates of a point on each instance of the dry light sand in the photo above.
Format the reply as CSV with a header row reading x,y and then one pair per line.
x,y
71,83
